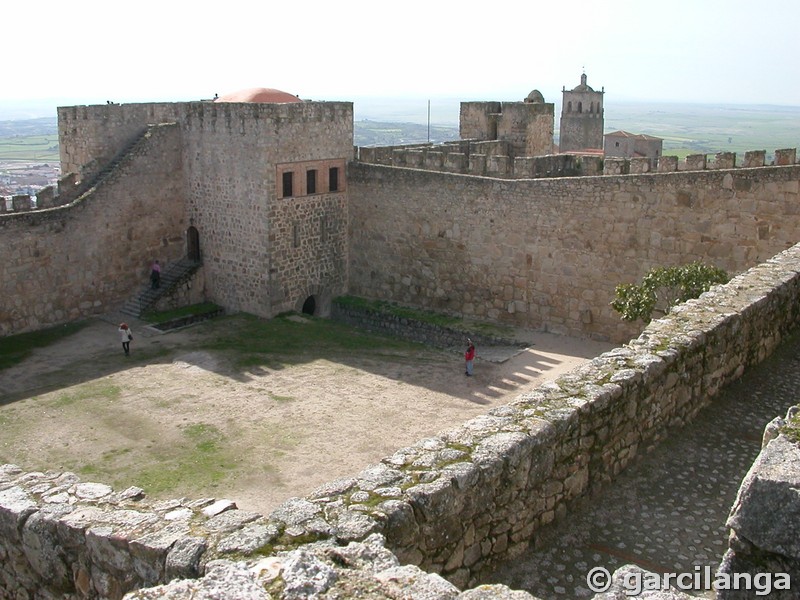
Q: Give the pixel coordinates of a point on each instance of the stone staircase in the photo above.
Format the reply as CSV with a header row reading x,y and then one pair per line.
x,y
172,276
112,164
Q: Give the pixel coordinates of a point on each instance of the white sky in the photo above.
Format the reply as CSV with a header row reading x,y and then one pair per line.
x,y
90,51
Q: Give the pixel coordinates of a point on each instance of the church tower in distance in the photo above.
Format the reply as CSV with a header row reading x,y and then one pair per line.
x,y
581,118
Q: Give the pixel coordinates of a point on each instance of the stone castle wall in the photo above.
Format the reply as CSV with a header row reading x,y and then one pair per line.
x,y
452,504
481,158
496,159
526,127
262,253
89,137
249,235
88,257
549,252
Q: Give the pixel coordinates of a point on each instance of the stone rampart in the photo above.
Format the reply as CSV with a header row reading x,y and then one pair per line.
x,y
509,165
87,257
452,504
548,253
482,158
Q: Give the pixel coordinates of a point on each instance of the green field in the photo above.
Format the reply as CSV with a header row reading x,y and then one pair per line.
x,y
35,148
708,129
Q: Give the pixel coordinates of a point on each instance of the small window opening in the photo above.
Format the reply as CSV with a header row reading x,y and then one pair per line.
x,y
287,184
333,179
311,181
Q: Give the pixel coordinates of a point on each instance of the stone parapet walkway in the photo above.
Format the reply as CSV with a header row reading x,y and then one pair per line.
x,y
666,513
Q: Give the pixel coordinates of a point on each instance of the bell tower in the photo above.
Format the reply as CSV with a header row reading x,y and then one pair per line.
x,y
581,118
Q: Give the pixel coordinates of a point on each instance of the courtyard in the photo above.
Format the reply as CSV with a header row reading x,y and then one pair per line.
x,y
251,410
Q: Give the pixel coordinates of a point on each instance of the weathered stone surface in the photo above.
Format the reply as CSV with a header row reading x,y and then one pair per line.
x,y
231,520
92,491
305,575
223,580
371,554
494,592
218,507
295,511
417,584
767,508
353,526
249,538
379,475
183,559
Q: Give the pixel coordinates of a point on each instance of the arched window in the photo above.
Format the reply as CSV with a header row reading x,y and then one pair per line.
x,y
569,106
580,107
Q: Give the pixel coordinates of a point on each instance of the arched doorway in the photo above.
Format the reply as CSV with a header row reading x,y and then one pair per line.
x,y
193,244
310,306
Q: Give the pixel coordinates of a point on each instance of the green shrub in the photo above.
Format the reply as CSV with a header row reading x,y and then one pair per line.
x,y
664,287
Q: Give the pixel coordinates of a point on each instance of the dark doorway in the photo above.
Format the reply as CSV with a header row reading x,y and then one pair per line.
x,y
309,306
193,244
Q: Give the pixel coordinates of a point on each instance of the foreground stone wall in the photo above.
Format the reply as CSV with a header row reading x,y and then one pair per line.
x,y
87,257
548,253
765,519
452,504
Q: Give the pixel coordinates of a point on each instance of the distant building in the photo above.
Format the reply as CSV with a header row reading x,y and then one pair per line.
x,y
629,145
581,118
526,127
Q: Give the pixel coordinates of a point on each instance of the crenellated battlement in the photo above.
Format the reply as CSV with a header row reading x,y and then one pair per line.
x,y
496,159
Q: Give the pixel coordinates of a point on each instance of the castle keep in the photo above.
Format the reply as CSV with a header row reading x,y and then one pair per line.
x,y
257,190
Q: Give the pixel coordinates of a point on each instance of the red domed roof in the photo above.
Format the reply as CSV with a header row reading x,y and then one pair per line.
x,y
258,95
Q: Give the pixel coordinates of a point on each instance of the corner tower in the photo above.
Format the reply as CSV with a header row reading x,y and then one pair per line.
x,y
581,118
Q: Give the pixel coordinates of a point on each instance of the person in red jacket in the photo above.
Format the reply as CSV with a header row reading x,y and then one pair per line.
x,y
469,357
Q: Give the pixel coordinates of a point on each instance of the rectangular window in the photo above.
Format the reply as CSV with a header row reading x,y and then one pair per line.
x,y
287,184
311,181
295,235
333,179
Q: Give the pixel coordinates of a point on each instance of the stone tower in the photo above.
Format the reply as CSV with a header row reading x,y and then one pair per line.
x,y
581,118
527,126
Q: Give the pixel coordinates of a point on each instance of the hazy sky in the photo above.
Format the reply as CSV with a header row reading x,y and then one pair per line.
x,y
90,51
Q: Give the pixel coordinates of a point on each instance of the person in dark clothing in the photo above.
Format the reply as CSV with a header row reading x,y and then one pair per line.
x,y
155,275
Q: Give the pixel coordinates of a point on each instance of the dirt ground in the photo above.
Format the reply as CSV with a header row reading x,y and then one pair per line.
x,y
268,434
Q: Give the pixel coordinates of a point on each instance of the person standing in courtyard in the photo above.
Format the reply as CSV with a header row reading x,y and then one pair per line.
x,y
155,275
469,357
126,337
